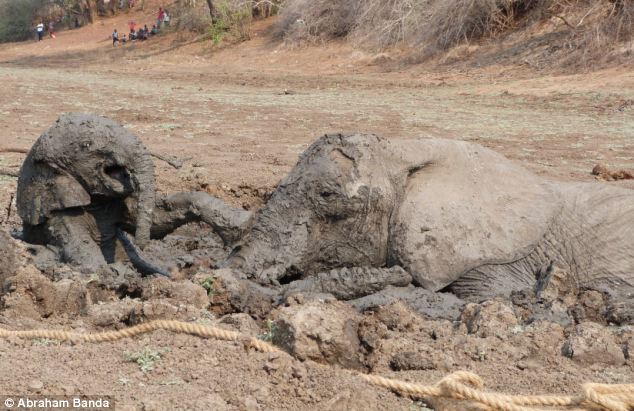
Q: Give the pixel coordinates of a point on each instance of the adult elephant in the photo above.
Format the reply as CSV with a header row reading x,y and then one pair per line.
x,y
453,214
87,179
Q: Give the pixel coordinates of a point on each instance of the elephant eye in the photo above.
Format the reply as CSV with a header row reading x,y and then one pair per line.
x,y
326,194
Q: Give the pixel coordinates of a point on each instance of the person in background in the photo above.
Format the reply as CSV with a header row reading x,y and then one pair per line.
x,y
115,38
40,31
166,18
161,16
51,29
154,30
123,40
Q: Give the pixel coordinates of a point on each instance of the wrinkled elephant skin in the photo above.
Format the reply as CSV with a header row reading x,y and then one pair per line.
x,y
453,214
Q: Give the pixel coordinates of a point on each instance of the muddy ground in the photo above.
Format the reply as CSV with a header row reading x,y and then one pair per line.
x,y
239,116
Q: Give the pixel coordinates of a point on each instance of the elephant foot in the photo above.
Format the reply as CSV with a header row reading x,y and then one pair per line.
x,y
182,208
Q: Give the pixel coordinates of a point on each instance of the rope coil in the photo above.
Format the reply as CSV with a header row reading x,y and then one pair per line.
x,y
460,385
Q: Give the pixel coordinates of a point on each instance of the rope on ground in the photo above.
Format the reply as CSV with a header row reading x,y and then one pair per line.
x,y
460,385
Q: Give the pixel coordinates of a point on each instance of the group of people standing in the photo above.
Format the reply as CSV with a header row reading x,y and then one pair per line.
x,y
40,30
163,18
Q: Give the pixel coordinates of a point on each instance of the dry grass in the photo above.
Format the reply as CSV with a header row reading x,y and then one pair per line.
x,y
317,19
586,27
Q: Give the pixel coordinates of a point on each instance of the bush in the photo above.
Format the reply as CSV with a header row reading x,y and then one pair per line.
x,y
454,21
17,18
387,23
193,17
231,18
234,19
303,19
589,27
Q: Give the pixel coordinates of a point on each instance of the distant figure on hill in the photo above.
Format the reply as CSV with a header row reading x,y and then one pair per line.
x,y
51,29
131,25
166,18
131,3
132,36
123,39
154,30
141,34
115,38
40,31
161,16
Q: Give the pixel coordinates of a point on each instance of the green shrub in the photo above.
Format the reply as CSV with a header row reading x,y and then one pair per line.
x,y
17,18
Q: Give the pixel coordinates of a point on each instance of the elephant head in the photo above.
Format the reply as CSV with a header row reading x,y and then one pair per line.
x,y
84,159
438,208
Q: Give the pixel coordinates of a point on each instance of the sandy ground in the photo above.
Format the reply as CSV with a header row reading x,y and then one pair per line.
x,y
240,116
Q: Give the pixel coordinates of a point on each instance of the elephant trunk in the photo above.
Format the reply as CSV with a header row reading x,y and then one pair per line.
x,y
144,176
274,248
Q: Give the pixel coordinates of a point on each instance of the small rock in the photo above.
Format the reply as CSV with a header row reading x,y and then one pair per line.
x,y
241,322
180,292
411,360
527,365
319,331
371,332
112,313
592,343
541,337
397,316
592,299
250,404
36,385
491,318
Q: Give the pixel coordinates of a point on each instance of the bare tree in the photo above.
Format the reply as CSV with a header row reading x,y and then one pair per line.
x,y
212,11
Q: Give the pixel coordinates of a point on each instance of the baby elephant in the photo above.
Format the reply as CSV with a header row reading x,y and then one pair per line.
x,y
87,180
453,214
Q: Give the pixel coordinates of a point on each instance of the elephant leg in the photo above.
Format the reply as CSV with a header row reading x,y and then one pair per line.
x,y
74,234
351,283
181,208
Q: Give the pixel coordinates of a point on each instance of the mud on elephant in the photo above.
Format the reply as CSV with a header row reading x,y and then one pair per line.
x,y
87,180
455,215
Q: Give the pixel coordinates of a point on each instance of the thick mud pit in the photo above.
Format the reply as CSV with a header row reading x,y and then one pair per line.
x,y
561,336
368,319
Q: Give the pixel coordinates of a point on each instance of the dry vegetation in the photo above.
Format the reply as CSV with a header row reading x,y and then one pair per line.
x,y
584,27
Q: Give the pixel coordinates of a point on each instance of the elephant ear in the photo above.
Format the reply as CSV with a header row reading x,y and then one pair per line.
x,y
465,206
43,189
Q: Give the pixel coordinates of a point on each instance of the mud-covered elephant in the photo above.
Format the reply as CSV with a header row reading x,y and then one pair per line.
x,y
87,179
453,214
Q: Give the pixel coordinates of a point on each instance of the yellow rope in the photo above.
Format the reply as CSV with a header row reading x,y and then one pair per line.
x,y
460,385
